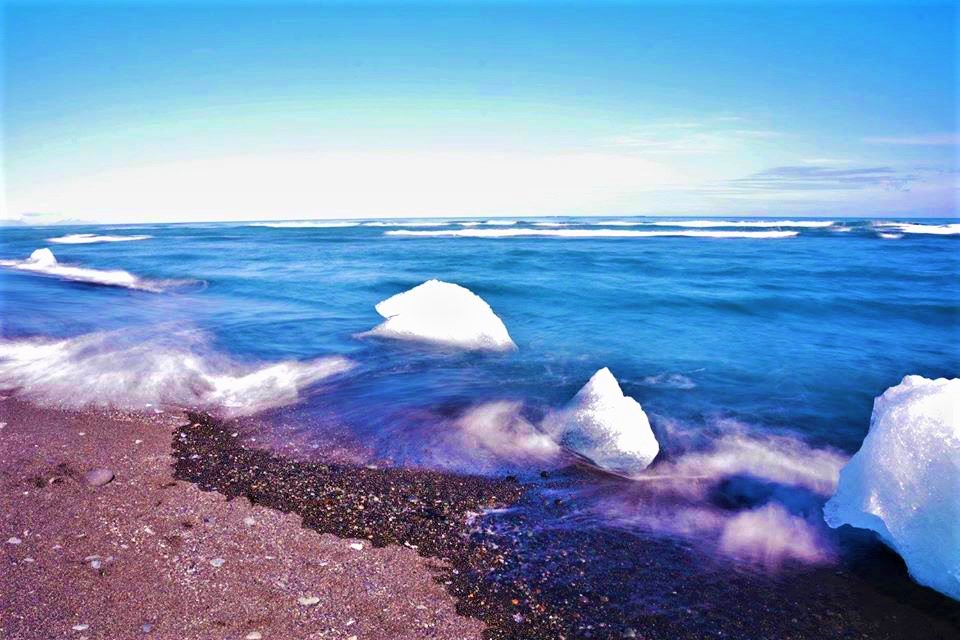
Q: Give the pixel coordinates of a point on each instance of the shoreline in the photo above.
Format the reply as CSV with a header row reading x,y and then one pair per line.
x,y
386,552
150,556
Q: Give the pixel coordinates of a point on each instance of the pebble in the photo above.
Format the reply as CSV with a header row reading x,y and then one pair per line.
x,y
95,564
80,627
14,540
147,628
254,635
356,546
217,562
98,477
249,521
308,601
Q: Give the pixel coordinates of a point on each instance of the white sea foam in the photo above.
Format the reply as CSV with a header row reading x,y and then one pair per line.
x,y
917,228
92,238
889,236
769,534
606,426
669,381
404,223
798,224
586,233
304,224
769,489
904,482
491,434
442,313
772,458
43,261
114,370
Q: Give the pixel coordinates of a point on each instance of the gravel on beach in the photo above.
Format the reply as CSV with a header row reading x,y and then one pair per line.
x,y
147,555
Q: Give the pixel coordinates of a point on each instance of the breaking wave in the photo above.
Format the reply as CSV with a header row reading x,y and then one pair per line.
x,y
586,233
93,238
799,224
752,496
304,224
951,229
126,370
43,262
404,223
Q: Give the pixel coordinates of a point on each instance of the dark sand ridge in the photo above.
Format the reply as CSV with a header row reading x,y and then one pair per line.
x,y
521,581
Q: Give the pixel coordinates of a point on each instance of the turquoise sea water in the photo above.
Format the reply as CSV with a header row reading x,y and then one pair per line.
x,y
792,334
756,356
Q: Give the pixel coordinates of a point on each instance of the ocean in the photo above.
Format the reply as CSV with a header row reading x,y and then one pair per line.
x,y
756,348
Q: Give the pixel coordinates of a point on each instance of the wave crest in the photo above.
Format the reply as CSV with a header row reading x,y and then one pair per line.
x,y
586,233
42,261
93,238
118,370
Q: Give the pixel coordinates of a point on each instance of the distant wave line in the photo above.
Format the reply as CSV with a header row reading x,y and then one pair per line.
x,y
93,238
586,233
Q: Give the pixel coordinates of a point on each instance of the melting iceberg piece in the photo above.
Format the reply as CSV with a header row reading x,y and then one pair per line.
x,y
904,483
442,313
608,427
43,261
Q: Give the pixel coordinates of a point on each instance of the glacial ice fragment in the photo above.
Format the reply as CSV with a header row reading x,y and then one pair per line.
x,y
442,313
608,427
904,483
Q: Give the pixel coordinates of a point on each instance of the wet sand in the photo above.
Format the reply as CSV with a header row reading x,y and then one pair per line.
x,y
136,557
427,567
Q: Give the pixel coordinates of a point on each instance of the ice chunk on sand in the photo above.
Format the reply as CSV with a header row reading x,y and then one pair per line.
x,y
608,427
443,313
904,483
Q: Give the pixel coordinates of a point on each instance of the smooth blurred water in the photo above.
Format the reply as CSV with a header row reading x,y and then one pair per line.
x,y
756,359
796,334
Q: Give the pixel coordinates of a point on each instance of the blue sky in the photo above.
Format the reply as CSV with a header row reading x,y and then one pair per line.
x,y
203,111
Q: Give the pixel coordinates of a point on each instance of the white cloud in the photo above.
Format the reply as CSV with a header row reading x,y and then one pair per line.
x,y
928,139
713,135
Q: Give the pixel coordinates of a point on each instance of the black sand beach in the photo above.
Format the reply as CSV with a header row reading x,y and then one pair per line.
x,y
386,552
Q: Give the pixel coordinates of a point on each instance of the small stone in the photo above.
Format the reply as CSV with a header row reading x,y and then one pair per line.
x,y
249,521
95,564
80,627
98,477
14,540
308,601
356,546
217,562
147,628
254,635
